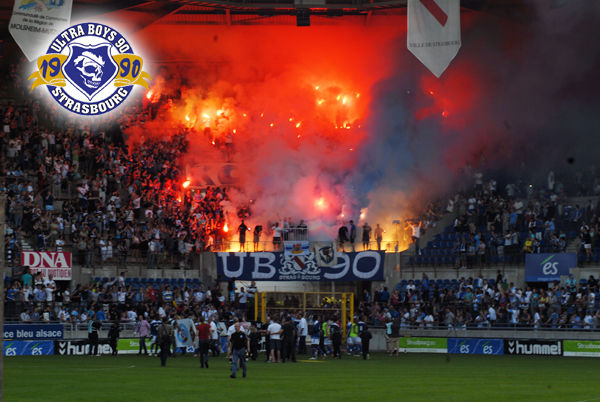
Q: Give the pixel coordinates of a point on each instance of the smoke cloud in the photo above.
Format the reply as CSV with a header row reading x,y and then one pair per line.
x,y
331,122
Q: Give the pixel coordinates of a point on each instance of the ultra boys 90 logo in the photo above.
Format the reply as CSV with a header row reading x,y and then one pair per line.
x,y
90,69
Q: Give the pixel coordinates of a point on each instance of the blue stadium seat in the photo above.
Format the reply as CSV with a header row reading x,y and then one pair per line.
x,y
447,259
438,237
496,259
491,281
403,282
581,257
452,237
596,257
429,244
453,281
583,282
411,260
188,280
439,281
105,279
158,280
150,280
417,282
448,229
445,236
447,281
439,260
419,260
437,244
572,234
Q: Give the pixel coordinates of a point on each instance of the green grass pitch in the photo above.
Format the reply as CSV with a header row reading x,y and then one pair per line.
x,y
409,377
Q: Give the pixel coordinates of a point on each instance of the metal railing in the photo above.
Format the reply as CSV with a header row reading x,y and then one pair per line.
x,y
275,246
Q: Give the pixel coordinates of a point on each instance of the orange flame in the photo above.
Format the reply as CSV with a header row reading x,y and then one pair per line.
x,y
297,125
187,118
225,228
149,95
186,184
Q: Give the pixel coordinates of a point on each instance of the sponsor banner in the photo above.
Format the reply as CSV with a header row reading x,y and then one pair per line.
x,y
28,348
434,32
57,264
476,346
581,348
548,267
532,347
132,345
33,331
183,333
362,266
424,345
80,347
293,248
326,254
34,24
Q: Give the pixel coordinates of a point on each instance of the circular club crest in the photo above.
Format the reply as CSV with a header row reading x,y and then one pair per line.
x,y
90,69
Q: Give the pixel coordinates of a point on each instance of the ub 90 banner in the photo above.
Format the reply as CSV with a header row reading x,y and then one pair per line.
x,y
362,266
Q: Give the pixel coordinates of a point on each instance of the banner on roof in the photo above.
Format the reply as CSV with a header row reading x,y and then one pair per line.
x,y
293,248
57,264
548,267
265,266
434,32
35,23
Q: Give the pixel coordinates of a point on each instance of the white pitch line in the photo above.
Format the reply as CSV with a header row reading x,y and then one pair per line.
x,y
588,400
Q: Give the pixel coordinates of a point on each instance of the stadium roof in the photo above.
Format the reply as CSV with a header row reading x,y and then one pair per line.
x,y
138,14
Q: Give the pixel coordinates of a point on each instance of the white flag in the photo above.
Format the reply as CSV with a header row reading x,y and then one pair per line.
x,y
35,23
434,32
326,254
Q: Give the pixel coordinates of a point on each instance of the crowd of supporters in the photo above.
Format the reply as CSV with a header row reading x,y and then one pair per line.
x,y
501,225
472,303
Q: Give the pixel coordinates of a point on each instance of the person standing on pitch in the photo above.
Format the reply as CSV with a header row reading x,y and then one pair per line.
x,y
395,337
93,328
143,328
239,345
204,333
303,333
365,337
288,349
113,337
275,333
165,331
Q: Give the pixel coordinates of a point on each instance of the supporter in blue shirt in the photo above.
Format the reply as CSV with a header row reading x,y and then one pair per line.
x,y
100,315
385,295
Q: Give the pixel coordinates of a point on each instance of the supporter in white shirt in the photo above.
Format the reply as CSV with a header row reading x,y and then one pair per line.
x,y
429,321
